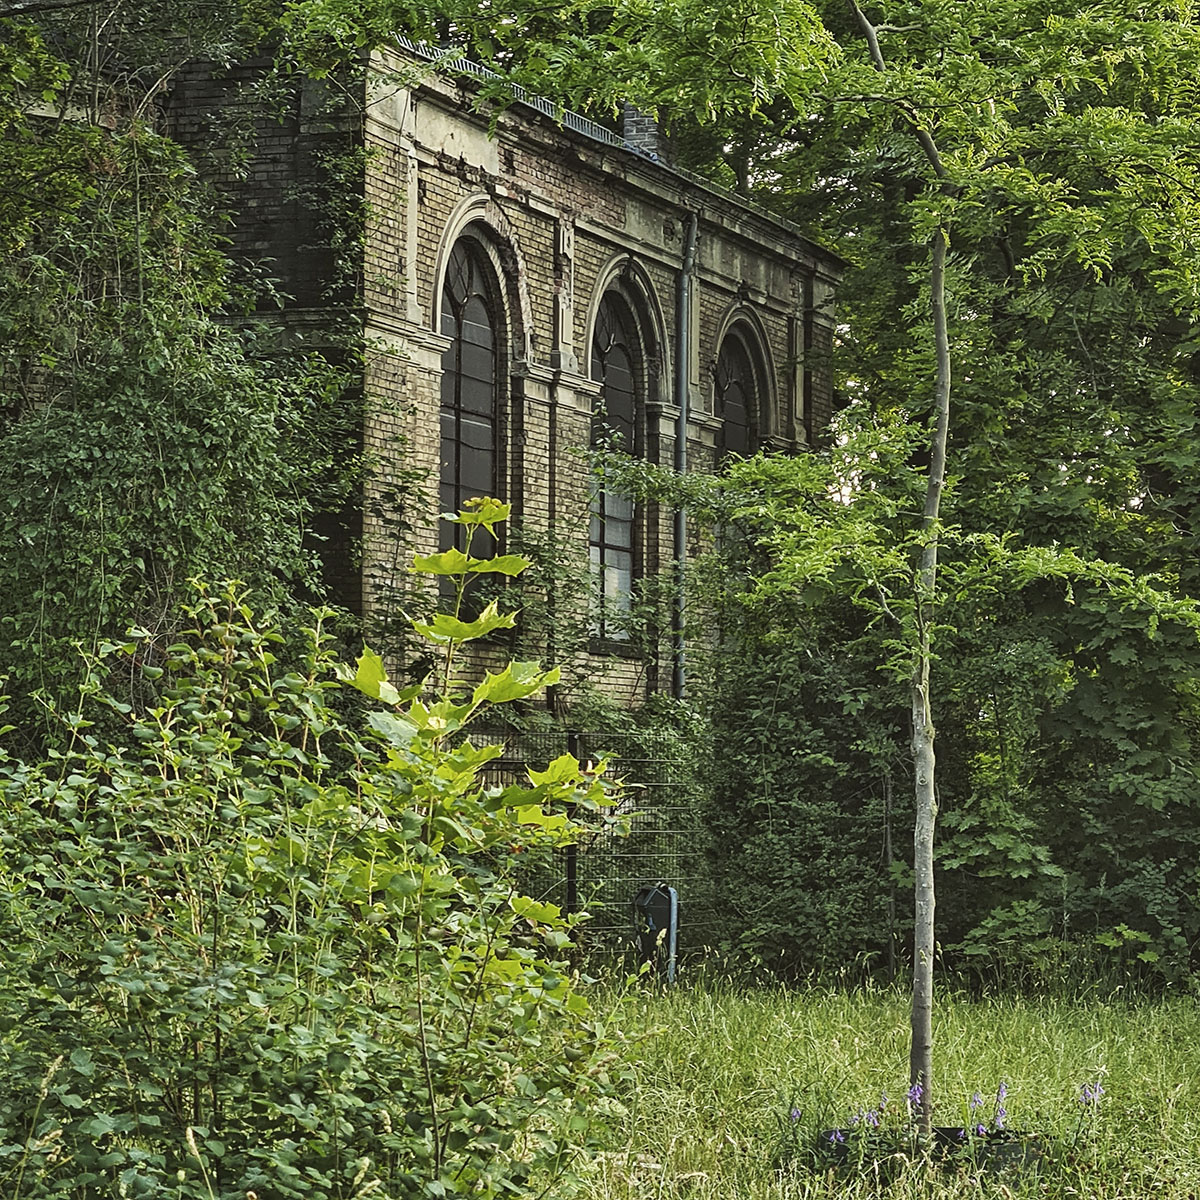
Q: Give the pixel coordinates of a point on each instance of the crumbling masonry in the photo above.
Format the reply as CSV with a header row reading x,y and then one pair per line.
x,y
530,284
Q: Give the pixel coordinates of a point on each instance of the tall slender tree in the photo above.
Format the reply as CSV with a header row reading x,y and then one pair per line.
x,y
1037,167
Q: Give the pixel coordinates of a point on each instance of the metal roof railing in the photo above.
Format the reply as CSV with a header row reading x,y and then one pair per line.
x,y
447,60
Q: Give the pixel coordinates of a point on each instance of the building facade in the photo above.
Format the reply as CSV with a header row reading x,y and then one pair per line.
x,y
532,285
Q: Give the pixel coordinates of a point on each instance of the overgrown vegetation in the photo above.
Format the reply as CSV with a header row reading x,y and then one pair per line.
x,y
738,1087
1055,833
1066,656
260,939
146,438
254,945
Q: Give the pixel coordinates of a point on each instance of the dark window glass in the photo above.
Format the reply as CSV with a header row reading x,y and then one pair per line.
x,y
616,422
470,389
738,398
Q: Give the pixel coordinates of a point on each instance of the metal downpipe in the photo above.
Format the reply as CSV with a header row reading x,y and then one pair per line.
x,y
683,341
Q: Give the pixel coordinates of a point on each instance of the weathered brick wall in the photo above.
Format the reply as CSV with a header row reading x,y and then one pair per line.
x,y
269,152
563,217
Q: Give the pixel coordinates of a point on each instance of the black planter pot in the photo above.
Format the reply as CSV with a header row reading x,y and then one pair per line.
x,y
997,1151
950,1137
832,1144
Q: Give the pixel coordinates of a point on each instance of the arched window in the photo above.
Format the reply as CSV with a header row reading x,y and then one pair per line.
x,y
472,317
739,395
617,422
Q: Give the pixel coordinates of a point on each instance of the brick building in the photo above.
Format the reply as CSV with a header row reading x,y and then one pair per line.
x,y
530,284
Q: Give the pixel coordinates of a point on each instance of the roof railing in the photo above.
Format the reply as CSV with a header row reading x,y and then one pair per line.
x,y
448,60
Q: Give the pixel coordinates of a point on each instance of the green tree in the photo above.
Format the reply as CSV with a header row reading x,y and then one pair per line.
x,y
991,95
146,438
1020,186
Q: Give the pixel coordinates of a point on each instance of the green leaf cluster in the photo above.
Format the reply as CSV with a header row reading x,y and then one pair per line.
x,y
145,439
1064,172
1069,739
257,942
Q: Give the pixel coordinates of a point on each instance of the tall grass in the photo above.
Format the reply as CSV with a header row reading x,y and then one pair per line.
x,y
720,1070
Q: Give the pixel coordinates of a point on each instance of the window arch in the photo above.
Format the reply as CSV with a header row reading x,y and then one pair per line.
x,y
472,317
740,395
618,365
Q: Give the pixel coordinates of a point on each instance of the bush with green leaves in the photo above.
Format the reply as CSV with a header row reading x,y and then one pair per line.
x,y
145,437
269,939
1068,732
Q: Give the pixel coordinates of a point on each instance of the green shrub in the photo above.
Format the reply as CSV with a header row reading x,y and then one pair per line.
x,y
258,945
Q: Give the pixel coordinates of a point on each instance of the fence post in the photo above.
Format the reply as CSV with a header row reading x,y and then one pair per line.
x,y
573,747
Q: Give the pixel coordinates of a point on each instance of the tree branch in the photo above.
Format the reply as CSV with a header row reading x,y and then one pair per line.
x,y
924,139
10,11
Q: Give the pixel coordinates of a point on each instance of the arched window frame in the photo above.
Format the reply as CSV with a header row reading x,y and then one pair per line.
x,y
619,350
474,383
741,369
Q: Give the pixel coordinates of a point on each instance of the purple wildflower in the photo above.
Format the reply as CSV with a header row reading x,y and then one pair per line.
x,y
976,1101
980,1130
836,1137
872,1119
883,1099
1090,1093
794,1115
915,1093
1002,1091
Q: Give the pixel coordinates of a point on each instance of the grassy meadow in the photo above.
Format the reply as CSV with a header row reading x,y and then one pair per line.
x,y
721,1071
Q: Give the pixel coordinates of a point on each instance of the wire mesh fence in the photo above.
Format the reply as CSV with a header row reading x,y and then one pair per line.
x,y
666,841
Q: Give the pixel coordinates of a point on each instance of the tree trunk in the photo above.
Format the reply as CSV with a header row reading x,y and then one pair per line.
x,y
924,762
920,1062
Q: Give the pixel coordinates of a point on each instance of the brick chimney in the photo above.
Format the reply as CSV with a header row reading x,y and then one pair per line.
x,y
643,135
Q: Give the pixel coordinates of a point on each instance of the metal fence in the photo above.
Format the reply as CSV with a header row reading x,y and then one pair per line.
x,y
666,841
452,63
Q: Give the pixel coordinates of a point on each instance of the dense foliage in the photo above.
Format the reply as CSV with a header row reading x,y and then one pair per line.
x,y
261,941
1064,173
148,441
145,439
1065,781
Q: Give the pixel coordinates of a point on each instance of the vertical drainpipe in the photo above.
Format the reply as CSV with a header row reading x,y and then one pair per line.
x,y
683,342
